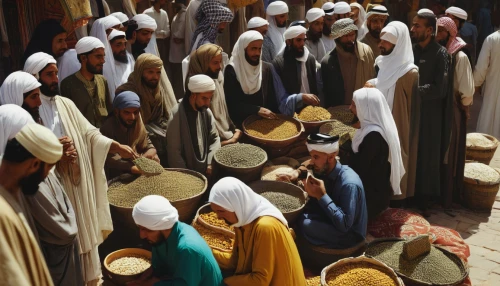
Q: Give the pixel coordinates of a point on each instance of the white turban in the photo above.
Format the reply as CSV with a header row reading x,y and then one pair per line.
x,y
40,142
328,148
120,16
257,22
109,22
425,11
250,77
234,196
145,22
155,213
115,33
12,119
15,85
201,83
457,12
314,14
329,8
294,32
342,8
277,8
37,62
87,44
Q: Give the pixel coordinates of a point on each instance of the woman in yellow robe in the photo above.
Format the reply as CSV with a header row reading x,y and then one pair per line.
x,y
264,252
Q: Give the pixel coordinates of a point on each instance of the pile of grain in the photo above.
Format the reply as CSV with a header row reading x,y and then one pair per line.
x,y
342,114
481,172
129,265
173,185
360,273
337,128
478,140
270,173
148,166
435,267
213,238
284,202
313,281
240,156
212,219
273,129
313,113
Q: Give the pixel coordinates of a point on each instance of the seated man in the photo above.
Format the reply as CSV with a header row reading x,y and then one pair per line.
x,y
192,137
180,255
125,126
264,252
335,215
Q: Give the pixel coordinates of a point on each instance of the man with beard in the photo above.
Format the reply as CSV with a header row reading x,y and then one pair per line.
x,y
297,67
375,22
262,26
329,20
397,79
336,215
145,38
120,65
27,161
87,88
277,15
466,30
434,63
22,89
314,43
192,136
347,67
49,37
207,60
180,255
463,92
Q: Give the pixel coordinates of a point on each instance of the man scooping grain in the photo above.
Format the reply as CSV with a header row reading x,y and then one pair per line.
x,y
179,252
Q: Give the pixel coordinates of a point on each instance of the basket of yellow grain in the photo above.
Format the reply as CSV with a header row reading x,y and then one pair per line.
x,y
216,232
277,166
208,218
481,147
481,184
312,117
279,132
128,264
359,271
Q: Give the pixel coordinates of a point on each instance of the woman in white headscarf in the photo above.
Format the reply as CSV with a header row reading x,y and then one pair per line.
x,y
359,18
264,252
377,152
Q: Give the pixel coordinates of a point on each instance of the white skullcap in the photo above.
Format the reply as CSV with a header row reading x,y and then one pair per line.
x,y
342,8
329,148
257,22
294,32
277,8
314,14
87,44
15,85
425,11
120,16
37,62
201,83
457,12
328,7
145,22
115,33
40,142
389,33
155,213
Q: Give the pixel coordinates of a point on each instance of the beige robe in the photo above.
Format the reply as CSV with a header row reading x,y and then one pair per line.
x,y
373,43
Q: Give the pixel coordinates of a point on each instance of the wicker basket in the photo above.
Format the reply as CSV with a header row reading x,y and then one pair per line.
x,y
120,279
270,142
206,209
350,260
286,188
479,195
246,175
313,126
482,154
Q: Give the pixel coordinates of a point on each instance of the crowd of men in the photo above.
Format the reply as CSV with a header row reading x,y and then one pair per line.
x,y
73,118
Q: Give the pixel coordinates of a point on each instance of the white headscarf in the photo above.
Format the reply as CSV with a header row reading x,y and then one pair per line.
x,y
256,22
147,22
397,63
250,77
291,33
15,86
41,142
374,115
67,64
362,29
37,62
234,196
275,33
155,213
12,120
120,16
201,83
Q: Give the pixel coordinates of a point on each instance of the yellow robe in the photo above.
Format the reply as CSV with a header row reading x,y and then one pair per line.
x,y
264,253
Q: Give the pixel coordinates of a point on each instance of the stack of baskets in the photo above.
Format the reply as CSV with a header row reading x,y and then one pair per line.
x,y
481,184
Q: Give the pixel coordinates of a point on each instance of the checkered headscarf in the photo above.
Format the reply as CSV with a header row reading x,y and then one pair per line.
x,y
210,14
454,43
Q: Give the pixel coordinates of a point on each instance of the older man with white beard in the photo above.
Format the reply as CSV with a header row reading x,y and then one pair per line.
x,y
277,15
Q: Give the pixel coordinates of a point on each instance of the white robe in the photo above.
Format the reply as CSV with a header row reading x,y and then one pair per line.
x,y
329,44
190,24
487,72
119,74
178,51
463,79
317,50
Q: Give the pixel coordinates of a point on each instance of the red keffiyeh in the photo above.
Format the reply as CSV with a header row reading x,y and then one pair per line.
x,y
454,43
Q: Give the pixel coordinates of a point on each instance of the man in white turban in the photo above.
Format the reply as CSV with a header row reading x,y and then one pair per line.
x,y
375,22
397,79
119,62
180,255
22,89
88,88
314,41
123,18
261,228
145,38
329,19
277,15
262,26
192,136
466,30
342,10
162,33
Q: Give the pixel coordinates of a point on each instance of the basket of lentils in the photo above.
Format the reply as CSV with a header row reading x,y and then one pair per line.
x,y
343,114
288,198
126,265
242,161
279,132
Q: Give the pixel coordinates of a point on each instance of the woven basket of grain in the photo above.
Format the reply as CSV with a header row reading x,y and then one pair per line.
x,y
481,184
338,128
205,209
123,279
275,143
276,166
481,147
343,114
312,113
378,272
245,174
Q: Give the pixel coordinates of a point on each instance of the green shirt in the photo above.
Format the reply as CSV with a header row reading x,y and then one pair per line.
x,y
186,259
